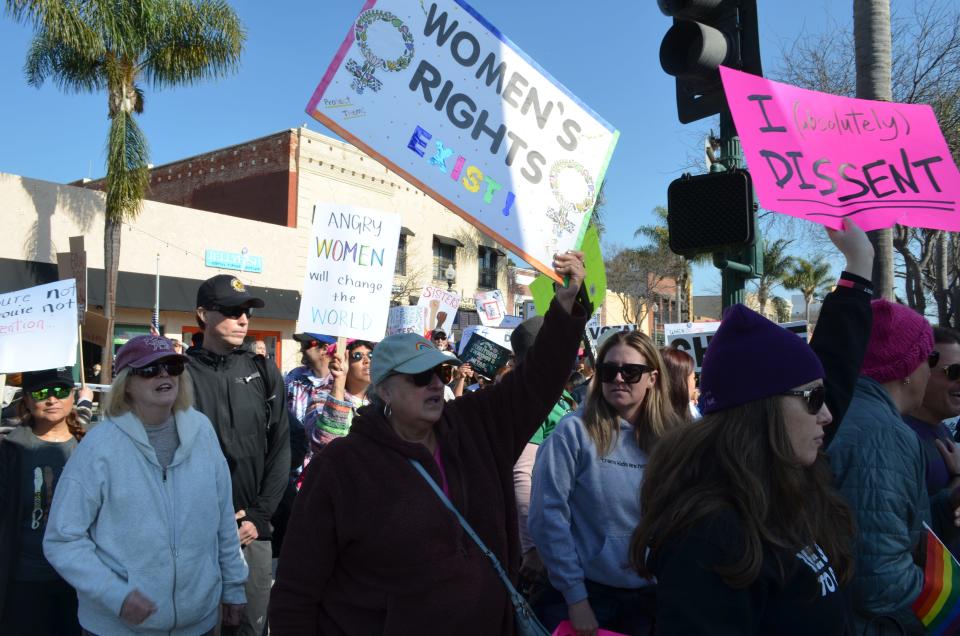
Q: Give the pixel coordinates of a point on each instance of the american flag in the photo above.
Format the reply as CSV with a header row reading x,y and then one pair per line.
x,y
155,322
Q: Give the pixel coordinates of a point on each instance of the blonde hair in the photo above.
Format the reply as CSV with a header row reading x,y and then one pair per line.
x,y
656,412
118,402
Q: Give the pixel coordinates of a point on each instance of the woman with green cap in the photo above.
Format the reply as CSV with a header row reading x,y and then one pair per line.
x,y
371,548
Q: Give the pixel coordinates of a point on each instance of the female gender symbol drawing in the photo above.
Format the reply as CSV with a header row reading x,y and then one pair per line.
x,y
561,214
363,73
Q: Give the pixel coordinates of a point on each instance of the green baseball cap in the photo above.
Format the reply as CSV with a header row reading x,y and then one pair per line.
x,y
406,353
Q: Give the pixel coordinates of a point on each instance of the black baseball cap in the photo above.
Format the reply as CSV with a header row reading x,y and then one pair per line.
x,y
225,290
35,380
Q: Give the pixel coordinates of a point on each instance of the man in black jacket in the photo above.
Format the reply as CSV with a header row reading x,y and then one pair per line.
x,y
243,396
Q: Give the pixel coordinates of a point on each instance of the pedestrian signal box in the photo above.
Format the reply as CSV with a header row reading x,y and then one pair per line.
x,y
711,212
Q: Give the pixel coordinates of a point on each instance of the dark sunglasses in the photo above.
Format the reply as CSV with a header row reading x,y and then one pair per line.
x,y
933,359
357,356
631,373
151,371
232,312
814,398
424,378
60,392
952,371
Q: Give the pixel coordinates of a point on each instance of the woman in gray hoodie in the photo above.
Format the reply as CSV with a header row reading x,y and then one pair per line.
x,y
142,523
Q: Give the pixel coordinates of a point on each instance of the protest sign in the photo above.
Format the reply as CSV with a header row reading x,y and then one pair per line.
x,y
824,157
594,281
509,322
490,307
677,328
38,327
486,356
594,332
349,272
498,335
404,319
695,342
438,307
437,94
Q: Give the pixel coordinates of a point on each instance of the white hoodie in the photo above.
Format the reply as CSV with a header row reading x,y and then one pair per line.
x,y
119,522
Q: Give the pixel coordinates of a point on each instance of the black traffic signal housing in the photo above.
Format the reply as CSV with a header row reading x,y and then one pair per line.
x,y
705,35
711,212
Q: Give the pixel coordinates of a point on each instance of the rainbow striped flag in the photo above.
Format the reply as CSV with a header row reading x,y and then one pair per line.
x,y
938,606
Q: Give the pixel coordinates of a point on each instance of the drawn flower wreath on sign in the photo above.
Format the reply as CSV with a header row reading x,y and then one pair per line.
x,y
560,215
363,73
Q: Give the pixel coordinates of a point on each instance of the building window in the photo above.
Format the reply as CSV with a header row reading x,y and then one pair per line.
x,y
401,267
444,255
487,275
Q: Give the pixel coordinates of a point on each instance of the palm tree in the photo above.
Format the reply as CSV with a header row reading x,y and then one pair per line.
x,y
94,45
872,43
659,235
777,264
810,279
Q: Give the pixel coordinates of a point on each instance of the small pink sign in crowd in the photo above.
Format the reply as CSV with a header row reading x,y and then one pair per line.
x,y
823,157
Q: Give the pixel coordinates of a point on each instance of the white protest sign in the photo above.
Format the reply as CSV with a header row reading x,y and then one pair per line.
x,y
350,260
695,342
677,328
490,307
404,319
499,336
437,94
438,307
509,322
38,327
594,333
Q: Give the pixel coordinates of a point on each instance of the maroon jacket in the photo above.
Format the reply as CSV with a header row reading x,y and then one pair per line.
x,y
370,549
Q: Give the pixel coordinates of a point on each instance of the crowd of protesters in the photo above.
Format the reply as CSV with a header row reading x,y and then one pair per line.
x,y
399,492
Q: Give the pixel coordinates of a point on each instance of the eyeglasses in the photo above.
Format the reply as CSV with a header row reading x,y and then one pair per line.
x,y
952,371
814,398
173,369
933,359
357,356
424,378
631,373
232,312
60,392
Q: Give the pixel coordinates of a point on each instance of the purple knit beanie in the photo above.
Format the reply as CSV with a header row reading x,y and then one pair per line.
x,y
751,358
900,342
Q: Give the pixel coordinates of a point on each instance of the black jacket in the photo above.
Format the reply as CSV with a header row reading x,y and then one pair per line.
x,y
10,513
250,417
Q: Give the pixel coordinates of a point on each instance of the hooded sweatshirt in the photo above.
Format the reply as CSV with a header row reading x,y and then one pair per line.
x,y
584,508
120,522
371,549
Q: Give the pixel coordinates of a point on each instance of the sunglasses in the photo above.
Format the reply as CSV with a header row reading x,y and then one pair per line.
x,y
814,398
357,356
631,373
232,312
173,369
60,392
952,371
424,378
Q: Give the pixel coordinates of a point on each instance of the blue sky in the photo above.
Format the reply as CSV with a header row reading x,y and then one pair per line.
x,y
604,51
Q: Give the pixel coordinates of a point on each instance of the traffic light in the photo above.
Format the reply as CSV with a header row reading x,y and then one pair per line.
x,y
711,212
705,35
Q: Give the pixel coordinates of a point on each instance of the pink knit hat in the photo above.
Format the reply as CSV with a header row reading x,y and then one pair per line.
x,y
901,340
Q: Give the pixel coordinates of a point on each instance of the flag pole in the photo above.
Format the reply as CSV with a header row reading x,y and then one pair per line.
x,y
155,322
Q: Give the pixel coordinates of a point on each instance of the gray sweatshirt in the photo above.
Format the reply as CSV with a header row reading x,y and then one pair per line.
x,y
584,508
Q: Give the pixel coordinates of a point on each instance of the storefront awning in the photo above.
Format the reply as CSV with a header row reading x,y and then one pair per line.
x,y
136,290
446,240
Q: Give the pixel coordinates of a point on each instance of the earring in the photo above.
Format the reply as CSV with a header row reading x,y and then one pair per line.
x,y
387,411
906,380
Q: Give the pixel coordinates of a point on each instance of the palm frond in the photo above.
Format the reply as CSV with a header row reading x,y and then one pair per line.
x,y
72,69
191,41
128,177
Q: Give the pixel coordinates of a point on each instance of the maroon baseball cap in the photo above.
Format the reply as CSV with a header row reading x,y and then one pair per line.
x,y
141,351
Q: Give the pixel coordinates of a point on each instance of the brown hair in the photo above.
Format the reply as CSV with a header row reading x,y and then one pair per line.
x,y
679,366
740,459
73,422
602,421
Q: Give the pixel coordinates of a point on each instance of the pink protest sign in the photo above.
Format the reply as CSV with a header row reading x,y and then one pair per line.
x,y
566,629
822,157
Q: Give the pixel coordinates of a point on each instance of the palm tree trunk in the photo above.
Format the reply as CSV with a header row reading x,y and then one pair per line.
x,y
871,34
942,255
807,300
111,268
